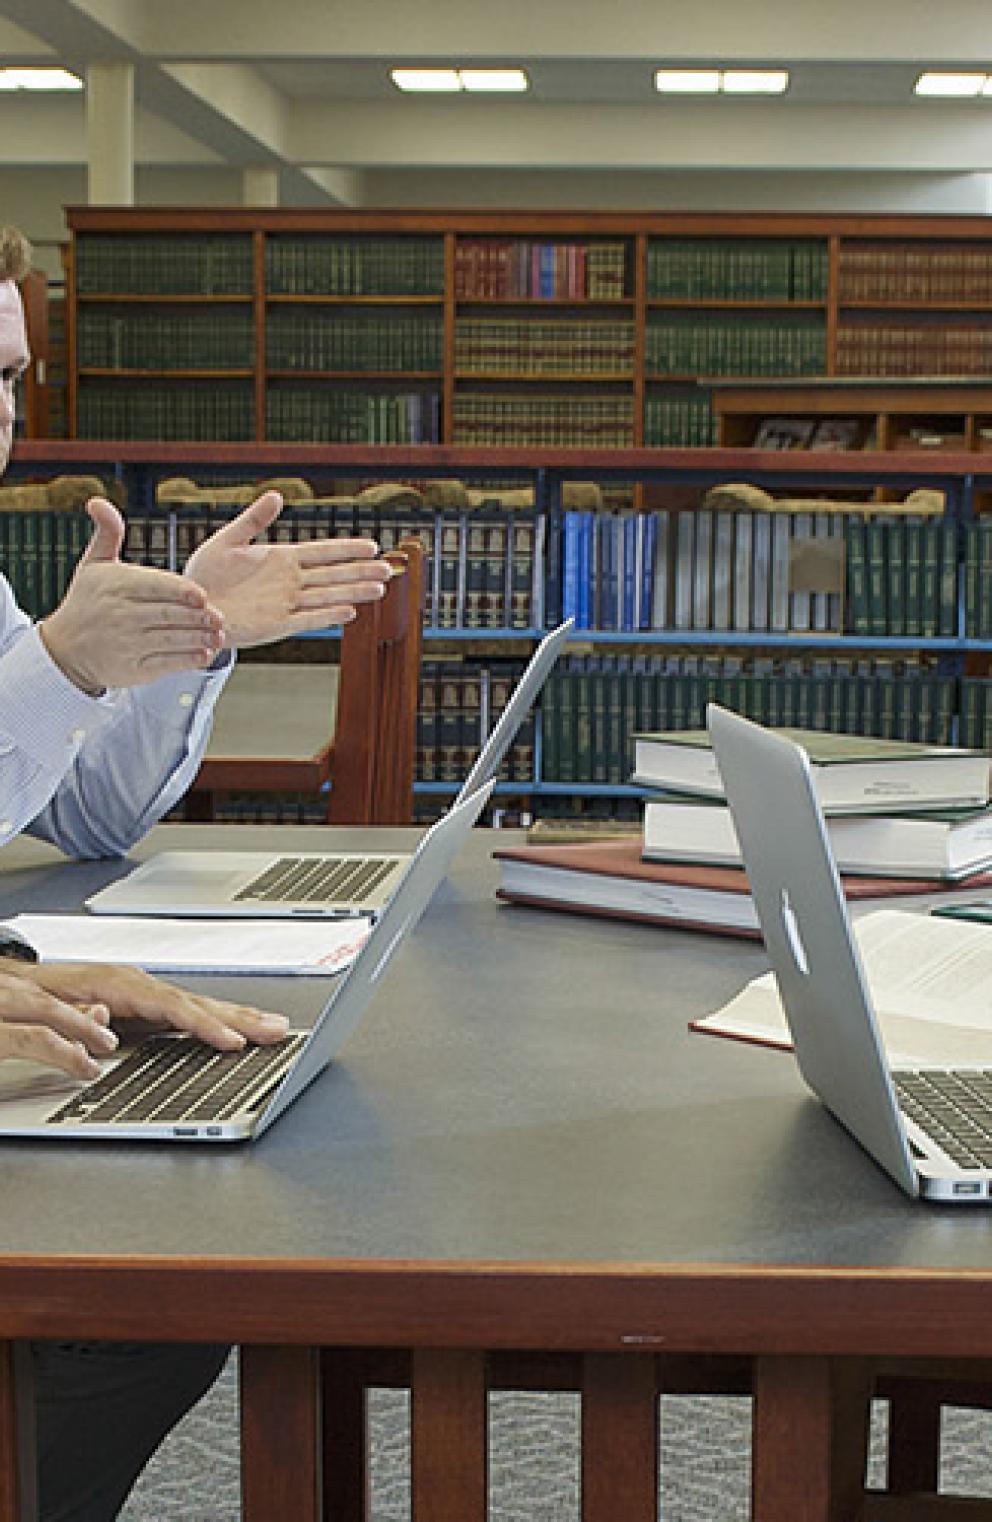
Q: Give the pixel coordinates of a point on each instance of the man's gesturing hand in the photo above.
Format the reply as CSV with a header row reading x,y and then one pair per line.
x,y
122,625
271,591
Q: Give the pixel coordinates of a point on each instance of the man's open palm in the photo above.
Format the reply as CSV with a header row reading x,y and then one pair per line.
x,y
272,591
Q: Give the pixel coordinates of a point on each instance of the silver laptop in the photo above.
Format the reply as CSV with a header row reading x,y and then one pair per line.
x,y
317,884
173,1087
923,1127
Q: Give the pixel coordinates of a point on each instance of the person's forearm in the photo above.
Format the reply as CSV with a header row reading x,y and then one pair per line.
x,y
133,770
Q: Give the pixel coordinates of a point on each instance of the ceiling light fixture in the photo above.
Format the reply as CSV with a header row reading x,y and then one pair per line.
x,y
39,79
451,81
950,86
687,81
721,81
499,80
755,81
436,81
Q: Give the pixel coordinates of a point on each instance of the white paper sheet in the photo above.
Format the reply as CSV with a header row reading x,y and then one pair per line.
x,y
186,945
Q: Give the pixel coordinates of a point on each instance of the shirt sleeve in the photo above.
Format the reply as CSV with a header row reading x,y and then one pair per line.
x,y
92,775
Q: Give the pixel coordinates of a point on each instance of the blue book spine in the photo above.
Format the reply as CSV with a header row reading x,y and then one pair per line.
x,y
607,578
647,524
571,535
584,619
547,269
629,609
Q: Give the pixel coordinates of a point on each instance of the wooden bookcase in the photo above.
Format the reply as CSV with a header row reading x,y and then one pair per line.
x,y
578,330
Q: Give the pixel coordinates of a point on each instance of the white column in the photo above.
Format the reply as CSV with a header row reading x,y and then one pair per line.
x,y
260,186
110,133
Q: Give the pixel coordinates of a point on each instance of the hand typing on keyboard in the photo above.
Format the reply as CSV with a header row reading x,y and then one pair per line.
x,y
60,1014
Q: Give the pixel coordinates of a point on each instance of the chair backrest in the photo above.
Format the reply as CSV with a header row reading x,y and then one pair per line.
x,y
375,733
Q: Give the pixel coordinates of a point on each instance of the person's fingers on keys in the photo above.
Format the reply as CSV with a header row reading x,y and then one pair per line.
x,y
132,994
37,1025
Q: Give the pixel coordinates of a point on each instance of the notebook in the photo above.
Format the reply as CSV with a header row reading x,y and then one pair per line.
x,y
317,884
931,1130
173,1087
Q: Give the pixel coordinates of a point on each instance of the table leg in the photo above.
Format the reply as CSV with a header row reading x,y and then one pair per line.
x,y
810,1439
449,1472
344,1377
280,1422
914,1439
18,1461
619,1438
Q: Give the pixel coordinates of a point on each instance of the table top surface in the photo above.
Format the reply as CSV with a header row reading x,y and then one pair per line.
x,y
523,1090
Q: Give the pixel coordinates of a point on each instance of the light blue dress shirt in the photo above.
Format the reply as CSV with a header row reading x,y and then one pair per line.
x,y
92,775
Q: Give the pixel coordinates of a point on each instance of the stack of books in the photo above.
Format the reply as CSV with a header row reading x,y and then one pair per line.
x,y
902,819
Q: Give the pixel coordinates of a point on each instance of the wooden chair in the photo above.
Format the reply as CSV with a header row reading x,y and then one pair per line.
x,y
282,728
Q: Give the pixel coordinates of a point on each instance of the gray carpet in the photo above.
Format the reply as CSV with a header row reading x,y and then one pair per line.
x,y
534,1465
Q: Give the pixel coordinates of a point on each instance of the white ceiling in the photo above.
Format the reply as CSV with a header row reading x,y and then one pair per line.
x,y
303,87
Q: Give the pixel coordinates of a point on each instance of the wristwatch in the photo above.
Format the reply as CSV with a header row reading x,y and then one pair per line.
x,y
14,945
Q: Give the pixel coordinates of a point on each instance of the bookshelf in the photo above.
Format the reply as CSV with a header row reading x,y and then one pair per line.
x,y
903,655
561,329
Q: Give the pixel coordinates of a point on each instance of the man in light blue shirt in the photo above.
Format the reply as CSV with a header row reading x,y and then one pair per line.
x,y
105,710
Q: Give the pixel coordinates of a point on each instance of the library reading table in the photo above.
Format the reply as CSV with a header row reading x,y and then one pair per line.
x,y
520,1157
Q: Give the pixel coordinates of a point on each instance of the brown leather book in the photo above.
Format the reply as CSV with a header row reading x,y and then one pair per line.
x,y
609,877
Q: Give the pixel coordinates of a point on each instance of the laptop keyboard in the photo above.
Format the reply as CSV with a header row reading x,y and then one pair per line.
x,y
954,1108
319,880
167,1079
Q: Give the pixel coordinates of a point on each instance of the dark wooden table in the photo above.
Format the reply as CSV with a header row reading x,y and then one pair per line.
x,y
520,1156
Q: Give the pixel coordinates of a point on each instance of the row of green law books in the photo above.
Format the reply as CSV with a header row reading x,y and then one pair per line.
x,y
350,340
305,414
156,264
737,268
219,338
200,410
593,705
318,265
741,343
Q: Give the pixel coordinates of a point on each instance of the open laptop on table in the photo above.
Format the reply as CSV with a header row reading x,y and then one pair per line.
x,y
922,1127
173,1087
312,884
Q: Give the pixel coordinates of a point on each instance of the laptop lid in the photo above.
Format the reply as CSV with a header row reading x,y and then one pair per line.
x,y
503,732
27,1103
312,884
807,930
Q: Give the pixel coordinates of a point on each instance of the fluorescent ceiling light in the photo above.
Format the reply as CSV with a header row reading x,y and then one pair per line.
x,y
493,79
438,80
755,81
687,81
956,85
725,81
450,81
39,79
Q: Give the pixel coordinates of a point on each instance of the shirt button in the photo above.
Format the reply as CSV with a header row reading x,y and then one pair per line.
x,y
77,736
185,700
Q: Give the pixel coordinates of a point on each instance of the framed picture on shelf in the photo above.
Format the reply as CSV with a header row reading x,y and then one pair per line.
x,y
783,433
834,433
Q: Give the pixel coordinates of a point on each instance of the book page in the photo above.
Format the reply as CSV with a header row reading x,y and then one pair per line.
x,y
932,992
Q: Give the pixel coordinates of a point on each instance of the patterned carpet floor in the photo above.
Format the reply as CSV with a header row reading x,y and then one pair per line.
x,y
534,1459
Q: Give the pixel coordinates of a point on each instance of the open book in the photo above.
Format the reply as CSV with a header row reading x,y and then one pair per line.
x,y
930,981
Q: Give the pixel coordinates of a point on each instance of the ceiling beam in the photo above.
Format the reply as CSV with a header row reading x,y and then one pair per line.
x,y
745,135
